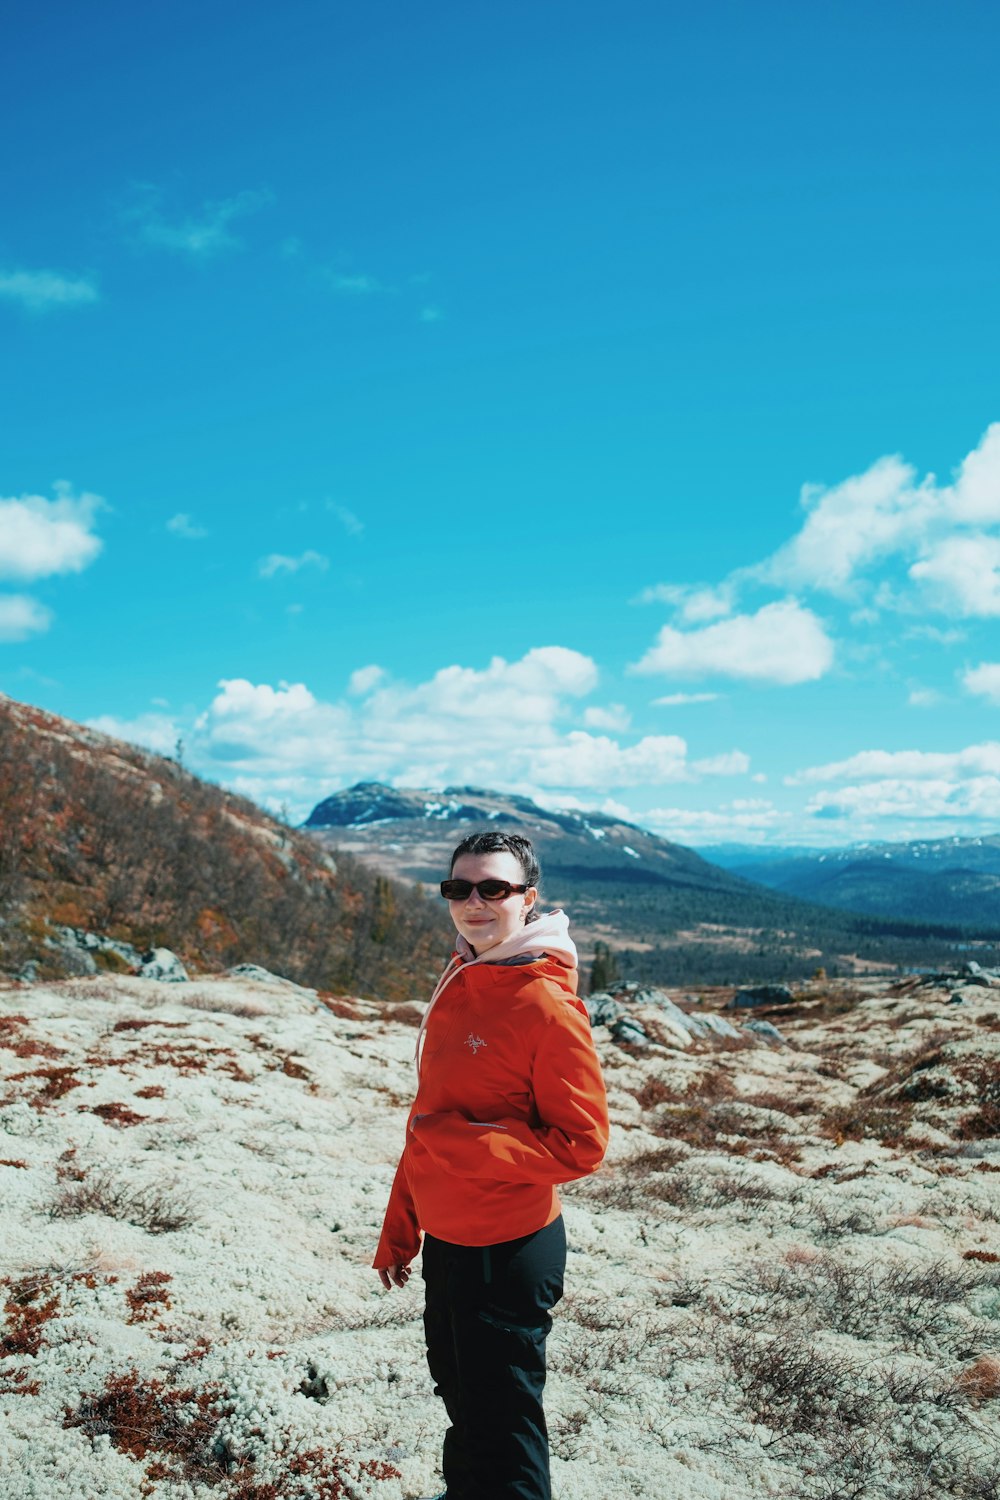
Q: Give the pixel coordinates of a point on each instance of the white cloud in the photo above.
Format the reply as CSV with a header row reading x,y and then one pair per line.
x,y
615,717
678,700
278,562
735,820
588,760
976,800
21,617
962,574
182,525
200,236
782,643
40,538
975,496
430,315
858,521
45,291
156,732
500,725
364,680
923,698
731,763
984,681
906,764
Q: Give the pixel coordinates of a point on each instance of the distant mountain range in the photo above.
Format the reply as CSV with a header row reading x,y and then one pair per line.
x,y
673,915
940,880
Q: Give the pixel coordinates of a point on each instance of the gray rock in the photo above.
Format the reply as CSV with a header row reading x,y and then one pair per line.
x,y
631,1033
602,1009
761,994
254,971
161,964
765,1029
713,1022
88,943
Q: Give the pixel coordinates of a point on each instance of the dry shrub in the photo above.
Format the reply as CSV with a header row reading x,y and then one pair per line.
x,y
28,1307
54,1084
782,1104
867,1300
151,1091
10,1161
986,1256
980,1381
117,1114
343,1006
886,1122
149,1297
145,1418
176,1433
405,1015
156,1207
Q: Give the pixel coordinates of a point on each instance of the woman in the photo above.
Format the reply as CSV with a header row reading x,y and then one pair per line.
x,y
510,1102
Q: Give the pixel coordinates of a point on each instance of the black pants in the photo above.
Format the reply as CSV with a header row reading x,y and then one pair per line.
x,y
486,1319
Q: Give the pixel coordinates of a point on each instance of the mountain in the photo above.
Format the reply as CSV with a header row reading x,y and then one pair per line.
x,y
940,880
98,836
671,915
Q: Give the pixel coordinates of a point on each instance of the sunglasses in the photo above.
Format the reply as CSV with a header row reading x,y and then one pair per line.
x,y
489,890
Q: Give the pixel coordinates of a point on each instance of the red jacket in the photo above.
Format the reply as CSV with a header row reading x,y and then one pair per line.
x,y
510,1102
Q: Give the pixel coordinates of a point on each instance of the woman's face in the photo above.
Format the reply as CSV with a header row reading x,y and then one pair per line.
x,y
486,923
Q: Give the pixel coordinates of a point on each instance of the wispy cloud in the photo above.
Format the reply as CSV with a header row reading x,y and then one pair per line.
x,y
430,315
183,526
364,680
354,286
694,604
678,700
21,617
278,562
615,717
40,538
201,235
47,291
350,522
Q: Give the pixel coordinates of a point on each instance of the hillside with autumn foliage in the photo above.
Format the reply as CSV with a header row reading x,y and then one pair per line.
x,y
98,836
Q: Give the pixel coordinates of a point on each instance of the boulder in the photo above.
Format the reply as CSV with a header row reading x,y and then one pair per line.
x,y
629,1032
602,1008
254,971
161,964
761,994
766,1030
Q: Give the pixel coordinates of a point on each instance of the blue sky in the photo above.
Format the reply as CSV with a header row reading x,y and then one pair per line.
x,y
601,402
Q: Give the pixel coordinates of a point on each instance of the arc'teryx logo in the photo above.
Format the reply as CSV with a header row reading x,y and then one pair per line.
x,y
475,1042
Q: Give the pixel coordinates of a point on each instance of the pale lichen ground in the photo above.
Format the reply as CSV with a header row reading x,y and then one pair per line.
x,y
758,1303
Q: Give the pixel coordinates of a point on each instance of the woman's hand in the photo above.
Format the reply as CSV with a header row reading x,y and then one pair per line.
x,y
394,1275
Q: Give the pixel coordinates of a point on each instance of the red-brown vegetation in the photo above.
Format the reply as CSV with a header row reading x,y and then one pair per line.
x,y
28,1307
149,1297
118,1114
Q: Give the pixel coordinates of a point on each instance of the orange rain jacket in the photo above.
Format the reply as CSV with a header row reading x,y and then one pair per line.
x,y
510,1102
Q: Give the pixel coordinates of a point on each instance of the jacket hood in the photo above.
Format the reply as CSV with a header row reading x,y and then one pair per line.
x,y
548,934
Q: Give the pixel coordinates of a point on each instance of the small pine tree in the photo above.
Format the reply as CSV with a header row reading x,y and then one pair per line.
x,y
604,969
383,909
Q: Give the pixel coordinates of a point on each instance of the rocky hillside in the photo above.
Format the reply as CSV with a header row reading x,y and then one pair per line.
x,y
937,880
783,1283
105,847
672,916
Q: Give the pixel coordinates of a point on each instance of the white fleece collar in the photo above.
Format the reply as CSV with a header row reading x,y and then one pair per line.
x,y
548,935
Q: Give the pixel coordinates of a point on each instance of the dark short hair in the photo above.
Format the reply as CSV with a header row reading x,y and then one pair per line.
x,y
493,841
